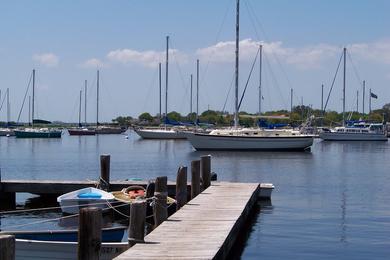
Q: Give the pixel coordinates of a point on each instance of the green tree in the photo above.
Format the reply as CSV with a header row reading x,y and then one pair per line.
x,y
145,117
174,116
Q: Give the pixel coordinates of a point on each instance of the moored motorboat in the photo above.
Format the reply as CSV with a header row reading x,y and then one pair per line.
x,y
358,132
73,201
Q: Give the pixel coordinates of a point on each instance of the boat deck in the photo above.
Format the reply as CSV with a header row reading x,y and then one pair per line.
x,y
205,228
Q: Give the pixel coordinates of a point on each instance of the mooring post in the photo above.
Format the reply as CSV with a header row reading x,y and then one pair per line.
x,y
181,187
137,223
90,233
205,169
150,189
104,182
160,211
7,247
195,178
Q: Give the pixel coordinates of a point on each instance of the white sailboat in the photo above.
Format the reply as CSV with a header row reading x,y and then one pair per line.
x,y
162,133
360,131
37,132
248,139
5,131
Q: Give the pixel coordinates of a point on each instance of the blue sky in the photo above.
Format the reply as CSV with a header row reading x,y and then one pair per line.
x,y
66,41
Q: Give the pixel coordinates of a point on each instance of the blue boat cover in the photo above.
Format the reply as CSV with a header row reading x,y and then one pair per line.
x,y
89,195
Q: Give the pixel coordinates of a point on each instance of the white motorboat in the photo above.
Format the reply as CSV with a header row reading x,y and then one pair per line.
x,y
358,132
36,249
250,139
72,202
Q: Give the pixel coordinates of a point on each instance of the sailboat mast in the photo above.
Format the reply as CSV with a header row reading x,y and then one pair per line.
x,y
260,71
364,93
80,109
191,95
159,83
237,61
8,111
197,91
33,97
85,102
29,110
97,99
345,64
166,79
291,101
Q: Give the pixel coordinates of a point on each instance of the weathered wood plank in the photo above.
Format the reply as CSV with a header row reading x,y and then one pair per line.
x,y
205,228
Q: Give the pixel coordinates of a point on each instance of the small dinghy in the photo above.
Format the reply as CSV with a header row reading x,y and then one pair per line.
x,y
110,234
72,202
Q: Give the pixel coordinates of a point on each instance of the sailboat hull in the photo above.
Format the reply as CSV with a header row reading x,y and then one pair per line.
x,y
81,131
37,134
160,134
249,143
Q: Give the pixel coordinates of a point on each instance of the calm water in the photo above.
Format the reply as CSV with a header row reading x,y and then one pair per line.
x,y
330,203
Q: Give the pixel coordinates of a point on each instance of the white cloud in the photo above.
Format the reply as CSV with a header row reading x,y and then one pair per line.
x,y
146,58
306,57
93,63
378,51
47,59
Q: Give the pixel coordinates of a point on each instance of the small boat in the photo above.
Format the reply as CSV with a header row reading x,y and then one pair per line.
x,y
266,190
106,130
71,202
36,249
81,131
6,132
111,234
137,193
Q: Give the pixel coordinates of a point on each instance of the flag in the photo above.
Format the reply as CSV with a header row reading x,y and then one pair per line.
x,y
373,95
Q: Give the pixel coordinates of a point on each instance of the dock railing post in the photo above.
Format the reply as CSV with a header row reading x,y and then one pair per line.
x,y
205,170
195,178
137,223
104,181
181,187
160,211
7,247
90,233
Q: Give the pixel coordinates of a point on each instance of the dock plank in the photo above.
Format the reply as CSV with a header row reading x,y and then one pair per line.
x,y
205,228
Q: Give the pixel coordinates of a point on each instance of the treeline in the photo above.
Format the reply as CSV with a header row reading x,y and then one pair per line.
x,y
299,115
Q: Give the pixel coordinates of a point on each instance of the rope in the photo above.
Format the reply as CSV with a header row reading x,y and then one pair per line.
x,y
334,79
249,77
24,99
50,208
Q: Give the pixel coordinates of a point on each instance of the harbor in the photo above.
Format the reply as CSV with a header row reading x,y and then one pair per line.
x,y
234,129
311,196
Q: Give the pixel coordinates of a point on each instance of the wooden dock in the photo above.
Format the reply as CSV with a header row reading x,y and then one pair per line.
x,y
205,228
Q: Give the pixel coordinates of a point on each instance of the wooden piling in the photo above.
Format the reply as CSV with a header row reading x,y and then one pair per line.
x,y
90,233
195,178
104,182
181,187
205,169
160,211
137,223
150,189
7,247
